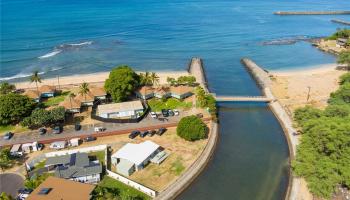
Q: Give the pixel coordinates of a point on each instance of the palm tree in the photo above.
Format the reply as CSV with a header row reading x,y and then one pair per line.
x,y
154,78
36,78
71,96
84,89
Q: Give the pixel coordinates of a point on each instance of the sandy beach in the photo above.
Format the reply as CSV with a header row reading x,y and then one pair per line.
x,y
291,87
95,78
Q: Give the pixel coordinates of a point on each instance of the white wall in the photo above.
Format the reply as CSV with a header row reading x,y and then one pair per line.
x,y
81,150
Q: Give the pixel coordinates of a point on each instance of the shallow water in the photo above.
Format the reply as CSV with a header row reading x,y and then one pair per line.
x,y
69,37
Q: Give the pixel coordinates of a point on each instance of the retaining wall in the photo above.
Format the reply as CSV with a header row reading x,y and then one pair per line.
x,y
312,13
80,150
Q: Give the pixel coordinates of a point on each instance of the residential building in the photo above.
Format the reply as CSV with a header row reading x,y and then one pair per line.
x,y
86,99
134,157
99,93
47,91
71,105
76,167
342,42
16,150
130,109
33,94
61,189
179,92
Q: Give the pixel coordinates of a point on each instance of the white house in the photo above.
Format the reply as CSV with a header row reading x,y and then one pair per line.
x,y
130,109
29,147
134,157
16,150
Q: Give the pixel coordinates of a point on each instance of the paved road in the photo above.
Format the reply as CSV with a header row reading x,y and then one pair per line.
x,y
10,183
112,128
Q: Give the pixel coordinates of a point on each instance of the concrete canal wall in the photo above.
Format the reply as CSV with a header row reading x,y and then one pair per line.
x,y
262,78
340,21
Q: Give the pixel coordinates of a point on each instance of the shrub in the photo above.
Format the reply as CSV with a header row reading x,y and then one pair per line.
x,y
41,117
302,115
191,128
342,33
345,78
14,107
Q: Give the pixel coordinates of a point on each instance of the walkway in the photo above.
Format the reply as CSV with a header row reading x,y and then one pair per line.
x,y
243,99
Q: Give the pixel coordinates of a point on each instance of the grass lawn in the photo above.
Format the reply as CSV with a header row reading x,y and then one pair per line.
x,y
54,101
170,103
12,128
100,155
112,183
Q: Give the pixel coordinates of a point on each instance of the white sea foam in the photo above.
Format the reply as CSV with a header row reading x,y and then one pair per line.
x,y
20,75
81,44
48,55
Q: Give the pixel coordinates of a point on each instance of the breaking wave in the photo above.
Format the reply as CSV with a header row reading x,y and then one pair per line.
x,y
24,75
48,55
64,47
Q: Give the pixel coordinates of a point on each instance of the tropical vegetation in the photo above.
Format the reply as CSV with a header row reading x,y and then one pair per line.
x,y
344,58
157,105
14,107
342,33
6,161
323,155
41,117
121,83
35,180
4,196
192,128
208,101
35,77
6,88
182,80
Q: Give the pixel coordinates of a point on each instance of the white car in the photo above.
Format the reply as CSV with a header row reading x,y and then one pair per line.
x,y
99,129
176,112
154,115
58,145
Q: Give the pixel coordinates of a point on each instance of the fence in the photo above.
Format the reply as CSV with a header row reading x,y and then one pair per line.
x,y
131,183
81,150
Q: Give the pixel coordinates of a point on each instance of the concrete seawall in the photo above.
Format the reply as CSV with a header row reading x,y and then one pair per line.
x,y
262,78
312,13
196,69
340,21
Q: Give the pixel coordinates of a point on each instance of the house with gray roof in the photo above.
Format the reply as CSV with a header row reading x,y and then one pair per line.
x,y
76,167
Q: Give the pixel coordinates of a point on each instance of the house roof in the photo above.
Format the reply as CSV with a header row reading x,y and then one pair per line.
x,y
182,89
70,103
32,94
62,189
342,40
74,165
136,153
145,90
119,107
89,97
97,91
47,89
162,90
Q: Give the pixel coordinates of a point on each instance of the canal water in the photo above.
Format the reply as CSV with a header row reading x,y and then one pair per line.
x,y
64,37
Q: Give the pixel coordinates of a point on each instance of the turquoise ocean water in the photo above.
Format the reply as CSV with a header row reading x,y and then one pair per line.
x,y
61,37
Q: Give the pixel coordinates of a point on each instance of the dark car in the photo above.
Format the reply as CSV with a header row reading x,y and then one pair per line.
x,y
171,113
143,134
90,138
161,131
42,131
77,127
165,113
151,133
24,191
8,135
200,115
134,134
57,130
41,146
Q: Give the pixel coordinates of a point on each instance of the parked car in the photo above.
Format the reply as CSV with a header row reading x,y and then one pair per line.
x,y
77,127
165,113
40,146
57,130
200,115
176,112
89,139
24,191
171,113
42,131
100,129
143,134
154,115
133,134
8,135
58,145
161,131
151,133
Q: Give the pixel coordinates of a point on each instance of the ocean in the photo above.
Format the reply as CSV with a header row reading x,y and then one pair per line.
x,y
62,37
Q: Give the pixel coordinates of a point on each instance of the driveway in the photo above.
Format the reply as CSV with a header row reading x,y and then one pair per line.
x,y
10,183
111,128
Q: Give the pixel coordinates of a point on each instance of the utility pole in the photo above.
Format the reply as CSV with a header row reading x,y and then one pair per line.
x,y
58,80
308,93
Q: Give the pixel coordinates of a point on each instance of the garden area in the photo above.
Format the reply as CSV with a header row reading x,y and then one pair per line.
x,y
157,105
54,101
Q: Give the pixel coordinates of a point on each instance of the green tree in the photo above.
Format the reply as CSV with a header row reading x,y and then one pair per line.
x,y
13,107
342,33
344,58
84,89
101,193
302,115
41,117
337,110
341,96
121,83
5,159
4,196
35,181
35,78
145,78
71,96
154,78
171,81
345,78
6,88
57,114
191,128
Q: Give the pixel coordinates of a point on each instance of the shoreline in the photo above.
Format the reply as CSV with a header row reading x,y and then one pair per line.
x,y
312,69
